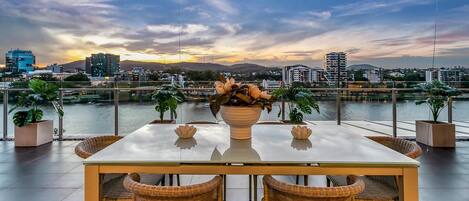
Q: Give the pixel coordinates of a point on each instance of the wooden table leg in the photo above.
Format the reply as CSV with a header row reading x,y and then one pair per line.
x,y
255,187
410,185
92,185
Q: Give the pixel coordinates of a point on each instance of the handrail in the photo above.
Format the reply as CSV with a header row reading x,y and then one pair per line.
x,y
117,90
212,89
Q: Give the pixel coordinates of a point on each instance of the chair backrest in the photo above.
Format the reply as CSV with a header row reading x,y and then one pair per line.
x,y
90,146
201,122
402,146
208,191
270,123
275,190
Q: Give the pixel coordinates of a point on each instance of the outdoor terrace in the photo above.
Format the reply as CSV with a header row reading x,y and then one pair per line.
x,y
54,172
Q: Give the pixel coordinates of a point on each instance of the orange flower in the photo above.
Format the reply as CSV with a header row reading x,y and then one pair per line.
x,y
229,84
265,95
219,87
254,91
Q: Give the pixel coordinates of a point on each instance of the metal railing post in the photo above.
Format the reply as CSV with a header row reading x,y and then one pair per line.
x,y
5,114
338,104
450,110
282,107
61,118
394,112
116,112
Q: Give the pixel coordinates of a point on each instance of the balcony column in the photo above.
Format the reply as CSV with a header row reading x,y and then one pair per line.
x,y
5,114
116,112
338,104
61,119
394,112
450,110
282,108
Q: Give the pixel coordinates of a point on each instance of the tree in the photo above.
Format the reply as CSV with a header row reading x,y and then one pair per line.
x,y
154,76
46,77
80,77
207,75
358,76
465,81
174,70
413,76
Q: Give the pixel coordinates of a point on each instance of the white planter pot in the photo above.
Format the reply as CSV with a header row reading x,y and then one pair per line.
x,y
436,134
240,120
34,134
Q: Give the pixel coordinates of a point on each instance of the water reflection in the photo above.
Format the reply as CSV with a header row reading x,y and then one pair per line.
x,y
301,145
239,151
185,143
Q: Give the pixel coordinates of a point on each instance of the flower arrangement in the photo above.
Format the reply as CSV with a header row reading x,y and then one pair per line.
x,y
231,93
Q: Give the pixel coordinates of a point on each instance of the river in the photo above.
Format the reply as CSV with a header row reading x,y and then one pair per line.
x,y
92,119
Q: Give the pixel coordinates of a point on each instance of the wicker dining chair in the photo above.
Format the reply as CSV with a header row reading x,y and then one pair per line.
x,y
208,191
112,188
90,146
275,190
201,122
270,123
382,188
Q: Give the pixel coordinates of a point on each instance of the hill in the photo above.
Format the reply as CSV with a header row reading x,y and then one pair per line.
x,y
187,66
361,67
70,67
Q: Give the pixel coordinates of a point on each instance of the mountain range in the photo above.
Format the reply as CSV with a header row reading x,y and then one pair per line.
x,y
361,67
127,65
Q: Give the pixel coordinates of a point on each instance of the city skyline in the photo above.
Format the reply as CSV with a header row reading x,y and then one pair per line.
x,y
383,33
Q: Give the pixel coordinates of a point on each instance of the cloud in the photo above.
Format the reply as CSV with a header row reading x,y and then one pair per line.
x,y
323,15
223,5
176,29
368,6
232,31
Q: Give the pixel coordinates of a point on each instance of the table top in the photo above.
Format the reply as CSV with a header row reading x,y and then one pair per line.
x,y
157,144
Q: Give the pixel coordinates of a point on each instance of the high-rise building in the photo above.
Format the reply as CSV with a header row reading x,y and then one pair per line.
x,y
444,74
138,74
431,75
55,68
102,65
335,64
20,61
301,73
448,75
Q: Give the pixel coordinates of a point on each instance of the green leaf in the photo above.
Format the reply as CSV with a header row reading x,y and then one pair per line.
x,y
168,98
21,118
35,115
244,98
295,116
214,105
58,108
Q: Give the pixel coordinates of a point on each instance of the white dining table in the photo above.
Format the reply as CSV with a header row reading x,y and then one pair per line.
x,y
155,148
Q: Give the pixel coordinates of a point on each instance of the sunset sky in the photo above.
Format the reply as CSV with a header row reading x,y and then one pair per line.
x,y
392,33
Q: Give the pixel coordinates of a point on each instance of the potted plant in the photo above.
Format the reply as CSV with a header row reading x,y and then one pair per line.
x,y
240,106
30,129
436,133
299,101
167,99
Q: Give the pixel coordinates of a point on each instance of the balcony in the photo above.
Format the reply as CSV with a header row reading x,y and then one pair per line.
x,y
54,172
